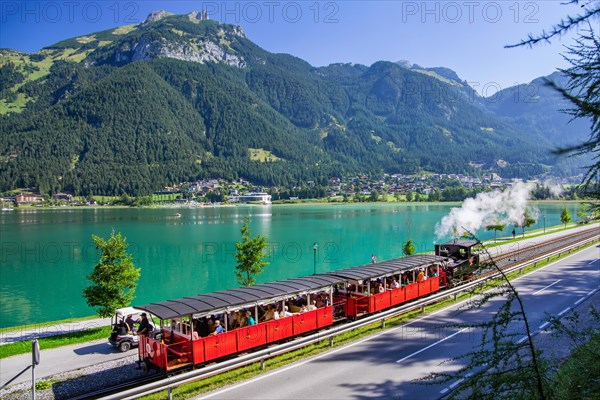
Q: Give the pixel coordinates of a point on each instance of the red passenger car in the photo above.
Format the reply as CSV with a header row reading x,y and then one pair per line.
x,y
198,329
188,333
375,287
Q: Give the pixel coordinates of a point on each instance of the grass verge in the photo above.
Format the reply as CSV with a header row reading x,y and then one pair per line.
x,y
530,235
30,327
579,377
52,342
221,380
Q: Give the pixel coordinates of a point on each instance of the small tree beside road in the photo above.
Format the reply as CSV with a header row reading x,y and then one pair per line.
x,y
565,216
249,256
409,248
114,278
495,227
527,221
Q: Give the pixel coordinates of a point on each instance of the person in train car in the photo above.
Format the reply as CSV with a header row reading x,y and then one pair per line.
x,y
218,327
145,326
249,318
285,313
195,334
269,315
212,325
234,320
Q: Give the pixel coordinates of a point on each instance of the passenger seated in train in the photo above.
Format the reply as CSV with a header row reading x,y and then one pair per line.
x,y
203,328
313,305
243,319
195,334
421,276
249,318
234,320
270,314
212,325
218,328
285,312
395,284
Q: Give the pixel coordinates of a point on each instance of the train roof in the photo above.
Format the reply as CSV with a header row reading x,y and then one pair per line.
x,y
461,243
242,297
386,268
238,298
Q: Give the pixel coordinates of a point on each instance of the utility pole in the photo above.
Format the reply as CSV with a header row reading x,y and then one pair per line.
x,y
315,248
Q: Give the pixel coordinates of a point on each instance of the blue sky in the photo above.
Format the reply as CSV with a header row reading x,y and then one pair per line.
x,y
466,36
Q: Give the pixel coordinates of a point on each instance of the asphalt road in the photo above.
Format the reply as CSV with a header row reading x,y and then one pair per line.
x,y
385,365
54,361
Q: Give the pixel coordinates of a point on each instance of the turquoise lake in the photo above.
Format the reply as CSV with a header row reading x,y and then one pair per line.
x,y
46,254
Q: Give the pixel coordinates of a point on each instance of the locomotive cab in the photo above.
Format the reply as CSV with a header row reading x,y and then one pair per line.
x,y
462,260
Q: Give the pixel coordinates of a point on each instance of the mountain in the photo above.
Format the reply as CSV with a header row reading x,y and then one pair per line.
x,y
181,97
538,106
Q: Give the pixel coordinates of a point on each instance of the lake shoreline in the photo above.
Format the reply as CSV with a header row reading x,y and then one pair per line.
x,y
314,202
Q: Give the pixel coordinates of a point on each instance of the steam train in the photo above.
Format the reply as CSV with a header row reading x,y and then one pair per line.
x,y
193,331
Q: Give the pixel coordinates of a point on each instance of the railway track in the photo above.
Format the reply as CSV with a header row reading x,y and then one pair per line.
x,y
503,260
507,259
98,394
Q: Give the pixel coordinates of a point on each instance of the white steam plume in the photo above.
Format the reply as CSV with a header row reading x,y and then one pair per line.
x,y
555,188
506,207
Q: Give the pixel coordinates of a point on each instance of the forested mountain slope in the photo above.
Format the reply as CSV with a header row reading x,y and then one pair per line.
x,y
178,98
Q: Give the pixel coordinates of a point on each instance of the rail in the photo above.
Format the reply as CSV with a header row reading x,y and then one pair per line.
x,y
172,382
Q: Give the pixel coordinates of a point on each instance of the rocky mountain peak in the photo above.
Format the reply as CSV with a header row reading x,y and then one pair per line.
x,y
155,16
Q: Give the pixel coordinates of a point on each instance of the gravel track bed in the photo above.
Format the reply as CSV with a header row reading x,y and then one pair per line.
x,y
74,383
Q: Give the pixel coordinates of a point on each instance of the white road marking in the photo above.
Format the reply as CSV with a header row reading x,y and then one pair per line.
x,y
580,300
563,311
431,345
453,385
524,338
593,261
545,324
550,285
592,292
